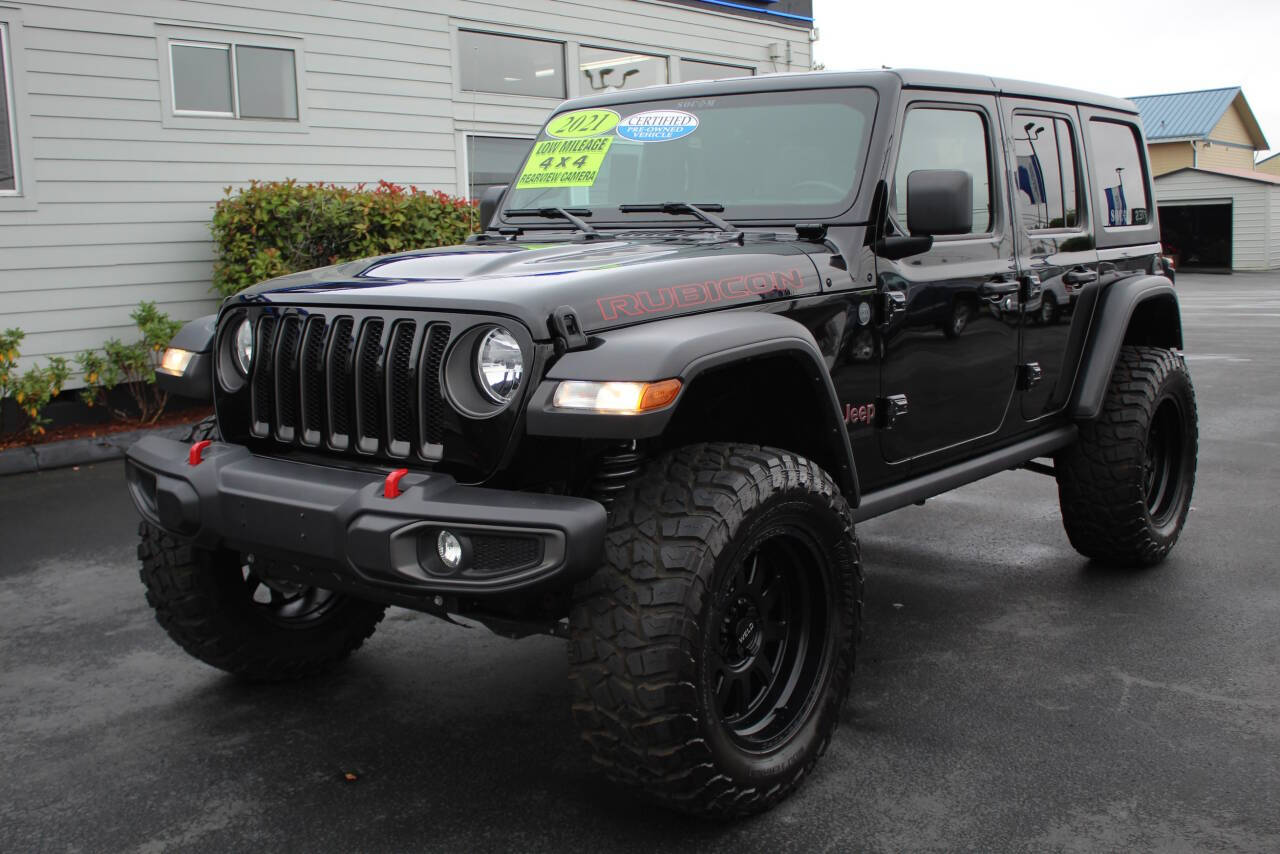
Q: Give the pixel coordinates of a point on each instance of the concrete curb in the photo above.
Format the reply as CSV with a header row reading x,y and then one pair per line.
x,y
75,452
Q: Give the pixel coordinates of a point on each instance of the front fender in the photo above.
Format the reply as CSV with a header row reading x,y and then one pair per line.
x,y
684,348
1137,310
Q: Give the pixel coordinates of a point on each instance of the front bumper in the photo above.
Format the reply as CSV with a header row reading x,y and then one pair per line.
x,y
334,526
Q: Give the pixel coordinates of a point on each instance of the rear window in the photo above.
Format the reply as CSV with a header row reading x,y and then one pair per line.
x,y
1119,182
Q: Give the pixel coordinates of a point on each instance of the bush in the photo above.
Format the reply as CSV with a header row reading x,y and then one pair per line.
x,y
33,390
272,228
133,364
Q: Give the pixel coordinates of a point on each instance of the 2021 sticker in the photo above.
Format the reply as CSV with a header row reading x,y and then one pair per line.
x,y
657,126
582,123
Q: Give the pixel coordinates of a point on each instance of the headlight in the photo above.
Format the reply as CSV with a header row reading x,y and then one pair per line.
x,y
242,347
499,365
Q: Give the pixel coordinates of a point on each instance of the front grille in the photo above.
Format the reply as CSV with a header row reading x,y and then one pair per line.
x,y
368,384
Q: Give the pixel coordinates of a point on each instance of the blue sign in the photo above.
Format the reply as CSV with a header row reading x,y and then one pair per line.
x,y
657,126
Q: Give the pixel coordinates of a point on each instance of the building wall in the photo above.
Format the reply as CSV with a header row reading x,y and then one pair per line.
x,y
1219,155
119,193
1253,243
1271,165
1273,228
1168,156
1231,127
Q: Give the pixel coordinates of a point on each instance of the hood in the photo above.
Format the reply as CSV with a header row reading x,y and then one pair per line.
x,y
608,283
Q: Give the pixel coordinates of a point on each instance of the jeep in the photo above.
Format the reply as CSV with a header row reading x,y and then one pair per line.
x,y
707,329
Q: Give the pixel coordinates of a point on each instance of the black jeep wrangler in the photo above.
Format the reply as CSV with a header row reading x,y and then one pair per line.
x,y
708,328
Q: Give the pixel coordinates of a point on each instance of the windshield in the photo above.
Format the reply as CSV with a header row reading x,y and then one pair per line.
x,y
785,156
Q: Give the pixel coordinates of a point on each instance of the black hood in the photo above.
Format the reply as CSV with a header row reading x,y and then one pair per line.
x,y
608,282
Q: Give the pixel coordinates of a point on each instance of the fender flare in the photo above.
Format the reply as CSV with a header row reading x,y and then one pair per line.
x,y
1114,315
684,348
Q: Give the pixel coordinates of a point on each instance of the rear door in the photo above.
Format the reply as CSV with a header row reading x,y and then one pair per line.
x,y
951,336
1057,258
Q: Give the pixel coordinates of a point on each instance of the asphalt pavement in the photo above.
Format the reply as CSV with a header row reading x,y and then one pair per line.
x,y
1009,695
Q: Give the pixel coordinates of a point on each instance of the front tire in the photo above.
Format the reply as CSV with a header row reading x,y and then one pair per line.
x,y
711,654
215,607
1125,486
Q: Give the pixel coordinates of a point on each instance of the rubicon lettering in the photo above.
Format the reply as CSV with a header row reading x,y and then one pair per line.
x,y
660,300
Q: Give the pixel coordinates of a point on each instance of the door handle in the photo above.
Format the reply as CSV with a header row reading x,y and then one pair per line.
x,y
998,288
1080,276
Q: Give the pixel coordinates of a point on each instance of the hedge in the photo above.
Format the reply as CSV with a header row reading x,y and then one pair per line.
x,y
272,228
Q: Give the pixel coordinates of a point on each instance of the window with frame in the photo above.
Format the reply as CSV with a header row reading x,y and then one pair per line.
x,y
608,70
233,80
511,65
1117,170
942,138
8,136
493,161
1046,181
697,69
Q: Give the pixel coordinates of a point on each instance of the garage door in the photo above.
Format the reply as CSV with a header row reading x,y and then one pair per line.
x,y
1198,234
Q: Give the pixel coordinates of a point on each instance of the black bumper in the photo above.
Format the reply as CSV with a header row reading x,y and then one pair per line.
x,y
336,526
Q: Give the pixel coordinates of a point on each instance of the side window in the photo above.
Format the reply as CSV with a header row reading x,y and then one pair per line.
x,y
1117,173
1045,187
938,138
8,153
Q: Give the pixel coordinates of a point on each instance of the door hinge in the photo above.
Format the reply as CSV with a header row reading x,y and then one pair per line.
x,y
892,303
1029,375
1029,287
890,409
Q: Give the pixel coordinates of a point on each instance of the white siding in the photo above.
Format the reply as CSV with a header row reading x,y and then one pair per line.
x,y
1274,228
1253,237
123,192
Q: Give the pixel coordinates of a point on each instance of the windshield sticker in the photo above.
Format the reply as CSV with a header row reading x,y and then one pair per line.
x,y
657,126
564,163
582,123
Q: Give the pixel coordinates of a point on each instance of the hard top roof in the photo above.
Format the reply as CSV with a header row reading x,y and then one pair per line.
x,y
908,78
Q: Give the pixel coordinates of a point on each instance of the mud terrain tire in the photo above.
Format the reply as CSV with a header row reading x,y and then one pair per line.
x,y
679,679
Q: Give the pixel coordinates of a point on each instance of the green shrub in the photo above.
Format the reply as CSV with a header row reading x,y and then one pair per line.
x,y
32,390
271,228
133,364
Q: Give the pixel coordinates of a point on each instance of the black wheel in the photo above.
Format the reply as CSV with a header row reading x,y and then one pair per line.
x,y
711,653
1048,314
961,314
1125,486
217,607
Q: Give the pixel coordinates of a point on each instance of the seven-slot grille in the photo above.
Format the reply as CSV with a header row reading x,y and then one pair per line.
x,y
364,384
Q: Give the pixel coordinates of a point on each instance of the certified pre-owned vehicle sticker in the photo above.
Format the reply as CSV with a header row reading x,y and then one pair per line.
x,y
657,126
580,123
564,163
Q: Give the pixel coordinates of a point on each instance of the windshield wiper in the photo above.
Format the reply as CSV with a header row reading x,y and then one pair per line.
x,y
571,214
700,211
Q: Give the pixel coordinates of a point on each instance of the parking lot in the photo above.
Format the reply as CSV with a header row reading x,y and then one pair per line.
x,y
1009,695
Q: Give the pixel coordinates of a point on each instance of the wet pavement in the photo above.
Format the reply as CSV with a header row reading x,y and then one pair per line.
x,y
1009,696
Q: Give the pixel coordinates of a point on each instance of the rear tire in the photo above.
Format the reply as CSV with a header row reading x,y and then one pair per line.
x,y
1125,486
215,608
711,654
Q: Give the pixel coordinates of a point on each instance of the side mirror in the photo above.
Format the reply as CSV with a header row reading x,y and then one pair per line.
x,y
939,201
489,201
187,367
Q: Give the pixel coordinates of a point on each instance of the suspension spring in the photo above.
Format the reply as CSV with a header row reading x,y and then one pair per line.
x,y
614,470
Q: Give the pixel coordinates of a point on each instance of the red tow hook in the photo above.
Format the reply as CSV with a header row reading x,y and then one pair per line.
x,y
196,456
391,486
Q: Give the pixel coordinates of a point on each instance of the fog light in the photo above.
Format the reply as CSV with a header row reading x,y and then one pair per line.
x,y
449,548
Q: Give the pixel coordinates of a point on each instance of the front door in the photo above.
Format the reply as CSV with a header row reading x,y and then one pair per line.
x,y
1054,246
951,324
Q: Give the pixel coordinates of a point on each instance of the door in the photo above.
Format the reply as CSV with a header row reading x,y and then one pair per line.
x,y
951,324
1055,248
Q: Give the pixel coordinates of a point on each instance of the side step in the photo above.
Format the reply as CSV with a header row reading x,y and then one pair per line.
x,y
916,490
